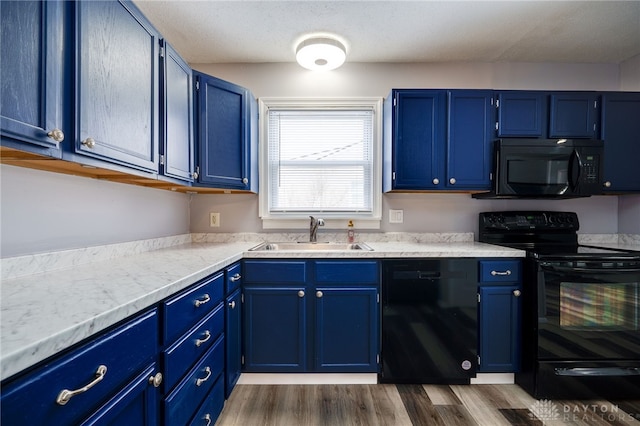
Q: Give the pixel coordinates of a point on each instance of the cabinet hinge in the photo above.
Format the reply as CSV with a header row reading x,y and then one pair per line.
x,y
242,298
497,103
162,51
497,125
162,160
378,359
197,85
378,298
395,101
594,127
478,359
491,101
242,359
595,104
393,176
478,297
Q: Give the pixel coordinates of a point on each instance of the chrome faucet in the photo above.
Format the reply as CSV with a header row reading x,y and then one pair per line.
x,y
313,229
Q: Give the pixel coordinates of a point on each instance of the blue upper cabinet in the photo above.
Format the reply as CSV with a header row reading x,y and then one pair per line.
x,y
414,139
471,120
178,145
117,62
573,115
621,135
225,134
522,114
32,68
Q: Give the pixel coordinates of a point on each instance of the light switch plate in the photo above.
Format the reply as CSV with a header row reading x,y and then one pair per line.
x,y
396,216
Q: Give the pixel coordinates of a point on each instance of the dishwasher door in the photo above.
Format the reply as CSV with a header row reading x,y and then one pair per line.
x,y
429,321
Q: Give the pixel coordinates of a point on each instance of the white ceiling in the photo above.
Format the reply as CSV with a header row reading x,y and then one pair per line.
x,y
402,31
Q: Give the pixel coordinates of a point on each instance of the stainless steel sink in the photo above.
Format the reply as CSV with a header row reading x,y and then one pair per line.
x,y
311,246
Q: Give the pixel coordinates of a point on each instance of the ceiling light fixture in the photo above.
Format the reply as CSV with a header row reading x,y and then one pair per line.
x,y
321,53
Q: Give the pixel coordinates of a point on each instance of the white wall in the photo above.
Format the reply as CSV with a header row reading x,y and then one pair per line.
x,y
422,212
43,211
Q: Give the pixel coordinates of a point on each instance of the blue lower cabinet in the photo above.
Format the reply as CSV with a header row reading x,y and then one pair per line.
x,y
346,329
499,321
108,370
328,322
233,341
275,329
136,404
211,407
186,398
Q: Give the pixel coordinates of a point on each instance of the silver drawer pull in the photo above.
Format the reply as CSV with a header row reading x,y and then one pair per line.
x,y
236,277
207,336
502,273
65,395
203,301
201,381
207,418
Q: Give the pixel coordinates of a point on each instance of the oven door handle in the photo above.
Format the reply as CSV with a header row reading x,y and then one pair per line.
x,y
551,267
597,371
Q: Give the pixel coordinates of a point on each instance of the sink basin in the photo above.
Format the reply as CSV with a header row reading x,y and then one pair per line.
x,y
311,246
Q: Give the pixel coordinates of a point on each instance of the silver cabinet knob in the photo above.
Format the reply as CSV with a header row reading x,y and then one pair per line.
x,y
156,380
436,181
194,175
232,304
517,293
301,293
319,294
56,134
452,181
607,184
245,181
89,142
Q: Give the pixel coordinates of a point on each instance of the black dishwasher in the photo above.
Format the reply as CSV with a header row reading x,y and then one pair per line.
x,y
429,321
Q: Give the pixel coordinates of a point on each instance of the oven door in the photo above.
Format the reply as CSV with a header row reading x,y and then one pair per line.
x,y
588,310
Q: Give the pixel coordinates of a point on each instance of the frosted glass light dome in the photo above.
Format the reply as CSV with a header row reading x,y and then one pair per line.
x,y
321,53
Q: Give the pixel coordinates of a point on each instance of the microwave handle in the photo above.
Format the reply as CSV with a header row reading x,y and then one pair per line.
x,y
575,169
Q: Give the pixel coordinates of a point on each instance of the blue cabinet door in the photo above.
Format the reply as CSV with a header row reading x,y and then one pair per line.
x,y
522,114
346,332
233,341
178,146
573,115
620,132
135,404
499,320
418,139
31,65
275,329
224,134
471,124
117,59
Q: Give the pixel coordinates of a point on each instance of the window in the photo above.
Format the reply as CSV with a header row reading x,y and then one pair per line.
x,y
320,158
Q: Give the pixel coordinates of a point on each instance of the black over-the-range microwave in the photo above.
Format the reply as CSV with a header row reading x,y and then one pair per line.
x,y
546,168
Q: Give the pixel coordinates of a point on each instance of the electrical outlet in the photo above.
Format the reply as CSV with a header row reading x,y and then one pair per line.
x,y
396,216
214,220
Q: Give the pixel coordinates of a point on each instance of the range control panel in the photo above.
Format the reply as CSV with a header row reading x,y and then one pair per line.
x,y
529,220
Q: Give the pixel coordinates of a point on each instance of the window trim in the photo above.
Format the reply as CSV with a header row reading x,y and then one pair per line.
x,y
337,220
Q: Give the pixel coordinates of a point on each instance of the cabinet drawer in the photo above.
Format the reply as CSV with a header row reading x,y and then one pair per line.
x,y
186,309
234,278
211,407
124,351
500,271
346,272
276,272
182,403
185,352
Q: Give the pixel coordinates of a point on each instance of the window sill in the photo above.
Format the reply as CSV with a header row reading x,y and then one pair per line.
x,y
329,223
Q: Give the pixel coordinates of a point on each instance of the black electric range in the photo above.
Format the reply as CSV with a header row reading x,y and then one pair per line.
x,y
580,307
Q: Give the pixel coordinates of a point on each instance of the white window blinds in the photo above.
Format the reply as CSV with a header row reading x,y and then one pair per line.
x,y
320,160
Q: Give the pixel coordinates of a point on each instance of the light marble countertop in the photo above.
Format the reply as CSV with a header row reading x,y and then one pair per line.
x,y
44,313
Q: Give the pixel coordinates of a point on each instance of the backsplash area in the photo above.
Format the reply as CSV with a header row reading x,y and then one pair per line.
x,y
19,266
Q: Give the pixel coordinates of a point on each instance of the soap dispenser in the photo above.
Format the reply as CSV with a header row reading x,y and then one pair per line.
x,y
350,232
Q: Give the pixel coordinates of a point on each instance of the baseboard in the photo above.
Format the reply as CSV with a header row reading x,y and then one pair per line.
x,y
493,379
308,379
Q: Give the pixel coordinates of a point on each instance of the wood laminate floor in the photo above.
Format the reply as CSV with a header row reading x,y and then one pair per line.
x,y
417,405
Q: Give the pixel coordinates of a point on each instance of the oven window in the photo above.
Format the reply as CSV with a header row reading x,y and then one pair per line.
x,y
598,306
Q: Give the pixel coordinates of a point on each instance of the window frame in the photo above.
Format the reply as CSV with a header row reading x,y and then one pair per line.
x,y
333,220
